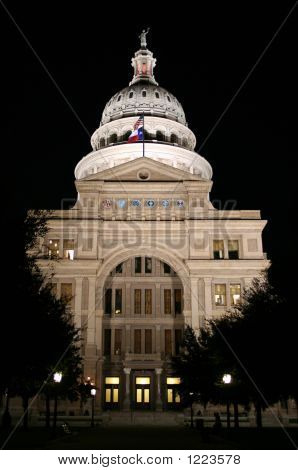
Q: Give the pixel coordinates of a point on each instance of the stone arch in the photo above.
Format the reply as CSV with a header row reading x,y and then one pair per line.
x,y
119,256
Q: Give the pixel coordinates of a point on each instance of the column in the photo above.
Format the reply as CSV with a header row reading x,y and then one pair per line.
x,y
208,297
126,402
158,397
78,302
194,304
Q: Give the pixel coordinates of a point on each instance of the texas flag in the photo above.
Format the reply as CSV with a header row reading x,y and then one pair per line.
x,y
138,131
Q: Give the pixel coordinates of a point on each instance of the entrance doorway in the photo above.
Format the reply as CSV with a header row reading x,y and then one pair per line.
x,y
142,385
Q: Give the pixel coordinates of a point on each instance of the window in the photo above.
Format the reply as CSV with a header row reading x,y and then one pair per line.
x,y
107,342
119,98
138,265
169,99
218,249
66,291
160,136
137,341
53,248
172,390
144,93
130,95
174,139
178,341
118,301
119,268
137,301
68,249
167,301
148,301
220,295
102,142
148,265
178,304
166,268
157,95
117,342
235,293
233,249
168,342
148,341
111,390
113,139
108,301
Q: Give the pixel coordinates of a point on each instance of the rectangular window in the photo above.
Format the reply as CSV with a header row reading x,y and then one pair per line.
x,y
119,269
178,341
107,342
137,302
138,265
66,291
68,249
218,249
166,268
118,301
178,304
148,341
148,265
53,248
233,249
167,301
168,342
108,301
220,295
87,244
235,293
117,344
148,301
137,341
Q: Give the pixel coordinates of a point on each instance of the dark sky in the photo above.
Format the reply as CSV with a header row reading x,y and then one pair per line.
x,y
203,55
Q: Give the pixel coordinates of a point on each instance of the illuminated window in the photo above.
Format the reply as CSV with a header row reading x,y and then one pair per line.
x,y
173,380
111,391
137,301
142,380
53,248
148,301
68,249
218,249
235,293
118,301
173,396
233,249
220,295
112,380
167,301
168,342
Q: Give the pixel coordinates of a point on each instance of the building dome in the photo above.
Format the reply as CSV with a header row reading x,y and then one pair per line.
x,y
143,97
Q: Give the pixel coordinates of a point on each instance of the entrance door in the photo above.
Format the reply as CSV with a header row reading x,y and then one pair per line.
x,y
143,392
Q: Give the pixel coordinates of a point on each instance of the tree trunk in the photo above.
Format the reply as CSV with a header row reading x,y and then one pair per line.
x,y
26,411
48,411
236,415
258,409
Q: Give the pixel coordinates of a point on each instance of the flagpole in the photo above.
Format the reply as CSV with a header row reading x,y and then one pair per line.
x,y
143,135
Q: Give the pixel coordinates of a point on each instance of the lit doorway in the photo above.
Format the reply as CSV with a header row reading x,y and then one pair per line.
x,y
112,392
143,392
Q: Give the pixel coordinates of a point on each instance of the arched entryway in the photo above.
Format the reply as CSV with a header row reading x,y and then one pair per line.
x,y
142,329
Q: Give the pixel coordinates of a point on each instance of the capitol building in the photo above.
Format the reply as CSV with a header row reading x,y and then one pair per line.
x,y
143,252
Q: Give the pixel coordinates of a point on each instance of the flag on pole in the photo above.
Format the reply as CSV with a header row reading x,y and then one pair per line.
x,y
138,131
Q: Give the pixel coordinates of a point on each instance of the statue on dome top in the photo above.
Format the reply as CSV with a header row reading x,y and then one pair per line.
x,y
143,38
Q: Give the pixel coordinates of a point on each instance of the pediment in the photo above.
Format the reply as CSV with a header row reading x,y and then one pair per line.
x,y
143,169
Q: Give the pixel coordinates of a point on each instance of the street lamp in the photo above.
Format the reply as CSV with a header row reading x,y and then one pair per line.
x,y
227,380
57,379
93,394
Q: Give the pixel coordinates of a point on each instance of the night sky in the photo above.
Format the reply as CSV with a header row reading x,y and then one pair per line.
x,y
203,56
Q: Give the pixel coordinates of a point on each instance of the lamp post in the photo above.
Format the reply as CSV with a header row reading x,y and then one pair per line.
x,y
57,379
227,380
93,394
191,409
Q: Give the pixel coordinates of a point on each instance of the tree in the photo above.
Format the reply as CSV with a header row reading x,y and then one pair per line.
x,y
40,324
